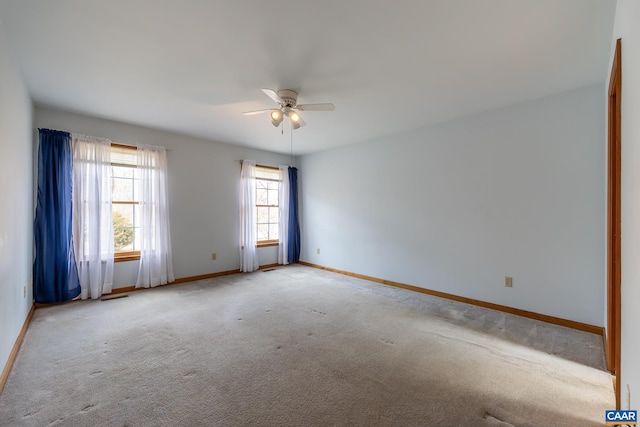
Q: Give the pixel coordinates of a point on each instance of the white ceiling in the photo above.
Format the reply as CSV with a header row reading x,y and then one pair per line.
x,y
193,66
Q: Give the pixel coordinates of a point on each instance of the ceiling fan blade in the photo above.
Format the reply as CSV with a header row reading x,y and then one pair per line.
x,y
273,95
316,107
252,113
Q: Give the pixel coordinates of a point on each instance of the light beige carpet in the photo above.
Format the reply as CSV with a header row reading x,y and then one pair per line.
x,y
300,347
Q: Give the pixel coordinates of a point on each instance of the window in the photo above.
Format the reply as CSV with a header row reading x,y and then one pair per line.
x,y
124,202
267,210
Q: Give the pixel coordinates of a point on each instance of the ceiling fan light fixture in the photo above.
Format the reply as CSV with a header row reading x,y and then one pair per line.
x,y
287,100
276,117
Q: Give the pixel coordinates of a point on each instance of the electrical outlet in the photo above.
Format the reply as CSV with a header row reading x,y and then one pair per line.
x,y
318,251
214,257
508,282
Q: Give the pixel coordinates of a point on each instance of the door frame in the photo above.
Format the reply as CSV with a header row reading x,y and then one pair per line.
x,y
614,221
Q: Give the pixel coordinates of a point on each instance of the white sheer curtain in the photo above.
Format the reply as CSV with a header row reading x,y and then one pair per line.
x,y
92,224
283,220
156,265
248,232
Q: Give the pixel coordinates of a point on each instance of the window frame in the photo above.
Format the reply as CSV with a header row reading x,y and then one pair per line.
x,y
269,242
125,255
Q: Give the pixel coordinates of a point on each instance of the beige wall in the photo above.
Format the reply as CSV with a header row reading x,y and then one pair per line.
x,y
16,202
458,206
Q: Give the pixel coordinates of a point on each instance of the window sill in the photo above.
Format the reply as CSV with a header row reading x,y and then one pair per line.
x,y
267,244
126,258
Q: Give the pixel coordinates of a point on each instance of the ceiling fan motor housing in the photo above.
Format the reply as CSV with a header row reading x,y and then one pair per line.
x,y
290,97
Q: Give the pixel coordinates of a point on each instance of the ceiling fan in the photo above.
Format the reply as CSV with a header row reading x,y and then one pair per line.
x,y
287,99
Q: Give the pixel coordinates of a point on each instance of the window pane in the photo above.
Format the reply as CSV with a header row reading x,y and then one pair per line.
x,y
123,238
262,215
273,231
261,197
273,215
124,211
271,185
123,231
263,232
261,185
136,226
136,239
122,189
273,197
122,172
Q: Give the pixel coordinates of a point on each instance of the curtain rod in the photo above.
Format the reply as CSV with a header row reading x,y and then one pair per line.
x,y
113,143
265,166
95,138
